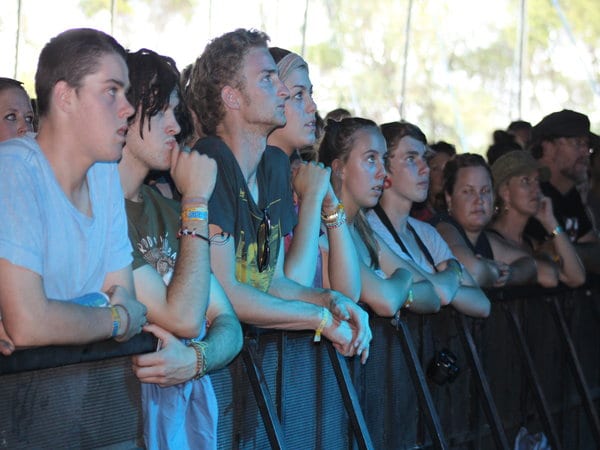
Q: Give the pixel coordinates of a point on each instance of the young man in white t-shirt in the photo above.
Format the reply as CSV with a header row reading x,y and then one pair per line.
x,y
62,225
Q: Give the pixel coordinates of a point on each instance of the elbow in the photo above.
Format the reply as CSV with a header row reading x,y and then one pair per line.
x,y
22,333
238,339
484,311
548,282
385,308
575,281
188,327
481,276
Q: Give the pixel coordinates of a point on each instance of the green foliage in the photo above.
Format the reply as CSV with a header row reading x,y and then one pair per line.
x,y
162,9
461,84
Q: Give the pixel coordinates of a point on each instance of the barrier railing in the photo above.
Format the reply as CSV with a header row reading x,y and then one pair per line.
x,y
535,363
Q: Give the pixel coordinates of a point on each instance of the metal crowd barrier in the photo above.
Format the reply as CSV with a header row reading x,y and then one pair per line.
x,y
534,363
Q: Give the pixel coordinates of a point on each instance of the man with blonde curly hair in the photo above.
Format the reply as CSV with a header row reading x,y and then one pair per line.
x,y
239,99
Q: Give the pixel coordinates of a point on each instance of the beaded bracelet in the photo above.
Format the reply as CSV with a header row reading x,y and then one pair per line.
x,y
409,299
201,363
325,314
193,233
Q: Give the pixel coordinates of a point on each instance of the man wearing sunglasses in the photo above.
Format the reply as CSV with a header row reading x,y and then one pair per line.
x,y
238,98
561,141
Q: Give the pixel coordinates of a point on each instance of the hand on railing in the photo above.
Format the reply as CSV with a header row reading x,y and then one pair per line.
x,y
6,344
172,363
345,309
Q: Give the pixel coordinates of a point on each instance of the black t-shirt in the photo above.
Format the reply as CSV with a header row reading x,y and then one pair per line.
x,y
233,209
482,247
568,210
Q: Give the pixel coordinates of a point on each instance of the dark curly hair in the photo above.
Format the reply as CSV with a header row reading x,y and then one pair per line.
x,y
220,65
153,78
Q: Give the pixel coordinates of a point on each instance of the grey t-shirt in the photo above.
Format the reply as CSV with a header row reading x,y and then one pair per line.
x,y
41,230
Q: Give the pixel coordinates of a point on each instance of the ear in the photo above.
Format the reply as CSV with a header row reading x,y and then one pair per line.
x,y
63,95
503,193
448,201
230,97
337,168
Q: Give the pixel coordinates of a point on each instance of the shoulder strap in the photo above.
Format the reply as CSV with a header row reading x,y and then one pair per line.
x,y
422,246
386,221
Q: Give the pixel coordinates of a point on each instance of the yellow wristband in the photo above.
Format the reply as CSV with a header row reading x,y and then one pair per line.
x,y
116,321
324,319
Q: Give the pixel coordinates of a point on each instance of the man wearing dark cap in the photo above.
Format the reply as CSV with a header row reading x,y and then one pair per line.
x,y
561,141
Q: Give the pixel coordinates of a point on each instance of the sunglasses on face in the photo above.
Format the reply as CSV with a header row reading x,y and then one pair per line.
x,y
262,240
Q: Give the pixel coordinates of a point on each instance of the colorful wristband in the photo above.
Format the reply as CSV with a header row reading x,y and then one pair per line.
x,y
194,214
116,321
128,317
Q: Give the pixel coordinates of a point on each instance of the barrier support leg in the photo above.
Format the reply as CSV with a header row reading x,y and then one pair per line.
x,y
420,382
533,378
263,398
489,406
575,365
357,420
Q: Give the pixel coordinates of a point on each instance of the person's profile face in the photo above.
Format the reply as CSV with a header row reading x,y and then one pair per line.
x,y
16,113
154,148
300,113
408,170
100,109
523,193
364,170
263,95
572,157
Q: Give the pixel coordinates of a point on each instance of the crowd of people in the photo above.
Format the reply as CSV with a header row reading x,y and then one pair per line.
x,y
138,198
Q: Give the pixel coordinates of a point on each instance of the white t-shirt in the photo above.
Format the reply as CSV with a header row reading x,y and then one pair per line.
x,y
436,245
41,230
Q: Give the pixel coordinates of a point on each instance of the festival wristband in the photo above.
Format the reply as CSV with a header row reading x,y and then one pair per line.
x,y
325,314
194,214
